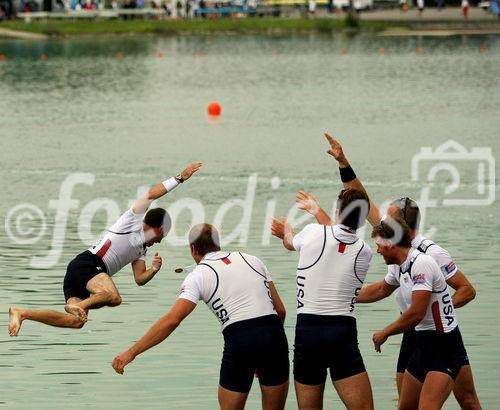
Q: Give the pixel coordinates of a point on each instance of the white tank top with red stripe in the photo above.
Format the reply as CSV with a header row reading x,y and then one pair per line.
x,y
234,285
122,243
421,272
332,267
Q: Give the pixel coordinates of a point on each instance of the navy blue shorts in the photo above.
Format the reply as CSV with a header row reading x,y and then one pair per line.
x,y
408,347
438,352
80,270
254,345
326,342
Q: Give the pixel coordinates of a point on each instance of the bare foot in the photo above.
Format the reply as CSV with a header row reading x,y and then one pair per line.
x,y
77,311
15,321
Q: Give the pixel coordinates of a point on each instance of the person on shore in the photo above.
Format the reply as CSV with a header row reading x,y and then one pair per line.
x,y
420,6
333,264
239,290
440,353
88,283
407,209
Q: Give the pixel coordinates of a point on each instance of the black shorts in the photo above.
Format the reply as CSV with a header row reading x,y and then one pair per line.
x,y
80,270
438,352
252,345
326,342
408,347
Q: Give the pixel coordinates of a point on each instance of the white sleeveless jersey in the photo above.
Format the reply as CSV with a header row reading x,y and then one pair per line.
x,y
421,272
332,267
439,254
122,243
234,285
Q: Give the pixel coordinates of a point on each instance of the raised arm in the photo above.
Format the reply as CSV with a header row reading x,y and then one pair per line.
x,y
309,203
156,334
143,203
349,178
464,291
375,292
282,229
278,303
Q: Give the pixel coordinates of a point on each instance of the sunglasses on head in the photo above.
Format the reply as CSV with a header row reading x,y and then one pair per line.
x,y
403,204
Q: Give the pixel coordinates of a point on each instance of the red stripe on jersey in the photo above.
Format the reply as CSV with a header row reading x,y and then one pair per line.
x,y
436,315
226,261
104,249
342,247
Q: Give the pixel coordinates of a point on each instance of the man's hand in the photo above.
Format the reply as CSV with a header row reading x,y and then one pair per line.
x,y
278,227
190,170
307,202
379,338
120,361
157,261
336,151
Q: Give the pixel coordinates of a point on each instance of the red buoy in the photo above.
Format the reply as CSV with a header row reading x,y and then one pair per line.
x,y
214,109
3,57
44,57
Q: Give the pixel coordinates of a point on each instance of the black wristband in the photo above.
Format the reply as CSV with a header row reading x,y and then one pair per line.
x,y
347,174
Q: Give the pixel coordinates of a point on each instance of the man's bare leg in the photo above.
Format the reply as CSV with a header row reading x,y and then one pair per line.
x,y
410,392
436,389
309,397
103,293
274,397
231,400
464,390
399,382
48,317
355,392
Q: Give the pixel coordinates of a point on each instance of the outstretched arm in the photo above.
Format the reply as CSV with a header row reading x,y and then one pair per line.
x,y
162,188
464,291
282,229
406,321
375,292
309,203
348,177
156,334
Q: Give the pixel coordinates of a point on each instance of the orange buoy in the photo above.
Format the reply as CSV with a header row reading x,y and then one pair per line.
x,y
199,54
44,57
160,54
214,109
3,57
119,55
343,50
381,50
483,49
419,50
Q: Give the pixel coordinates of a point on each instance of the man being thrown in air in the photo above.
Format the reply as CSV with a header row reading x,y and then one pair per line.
x,y
88,283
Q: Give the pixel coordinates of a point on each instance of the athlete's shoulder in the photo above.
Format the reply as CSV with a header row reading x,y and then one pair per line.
x,y
425,262
312,228
255,263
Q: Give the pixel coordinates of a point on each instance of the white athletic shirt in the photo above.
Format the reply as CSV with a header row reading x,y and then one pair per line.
x,y
333,263
421,272
439,254
234,285
122,243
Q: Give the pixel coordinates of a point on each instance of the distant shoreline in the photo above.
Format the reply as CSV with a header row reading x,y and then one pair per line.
x,y
393,27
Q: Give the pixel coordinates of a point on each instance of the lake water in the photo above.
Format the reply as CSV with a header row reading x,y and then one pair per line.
x,y
113,123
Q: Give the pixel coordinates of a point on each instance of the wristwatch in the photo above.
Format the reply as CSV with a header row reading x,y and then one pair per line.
x,y
179,178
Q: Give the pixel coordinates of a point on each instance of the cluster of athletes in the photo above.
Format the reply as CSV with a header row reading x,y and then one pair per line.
x,y
332,267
